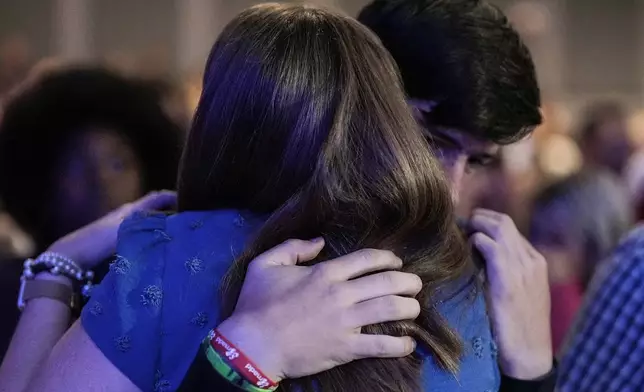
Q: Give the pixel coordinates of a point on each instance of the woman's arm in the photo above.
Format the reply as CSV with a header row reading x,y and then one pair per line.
x,y
41,325
261,331
44,321
76,365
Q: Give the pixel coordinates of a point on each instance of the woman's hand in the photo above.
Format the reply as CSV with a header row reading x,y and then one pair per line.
x,y
518,295
90,245
294,321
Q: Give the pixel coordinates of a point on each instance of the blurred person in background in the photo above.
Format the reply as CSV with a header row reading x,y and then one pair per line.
x,y
603,137
78,143
15,61
74,145
576,222
471,83
634,175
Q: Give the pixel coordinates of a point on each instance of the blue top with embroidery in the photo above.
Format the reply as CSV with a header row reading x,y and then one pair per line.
x,y
159,300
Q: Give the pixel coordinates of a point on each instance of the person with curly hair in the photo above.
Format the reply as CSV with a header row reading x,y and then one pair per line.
x,y
75,144
79,143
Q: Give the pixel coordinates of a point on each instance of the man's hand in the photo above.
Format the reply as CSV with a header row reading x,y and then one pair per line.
x,y
294,321
518,295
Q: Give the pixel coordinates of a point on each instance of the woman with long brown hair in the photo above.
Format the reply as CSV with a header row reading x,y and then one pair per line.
x,y
302,131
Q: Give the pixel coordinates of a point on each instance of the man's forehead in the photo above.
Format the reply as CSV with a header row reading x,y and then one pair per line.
x,y
466,141
460,137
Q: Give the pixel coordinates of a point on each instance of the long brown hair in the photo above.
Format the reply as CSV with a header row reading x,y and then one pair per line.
x,y
303,118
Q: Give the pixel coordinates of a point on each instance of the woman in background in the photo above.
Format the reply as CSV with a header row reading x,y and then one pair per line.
x,y
79,142
302,131
75,143
576,222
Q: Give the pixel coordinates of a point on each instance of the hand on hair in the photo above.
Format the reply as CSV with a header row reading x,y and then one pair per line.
x,y
295,321
518,295
90,245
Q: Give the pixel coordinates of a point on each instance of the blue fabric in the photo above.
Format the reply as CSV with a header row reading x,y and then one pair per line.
x,y
159,300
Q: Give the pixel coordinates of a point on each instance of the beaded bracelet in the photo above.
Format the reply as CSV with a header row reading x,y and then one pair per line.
x,y
58,264
234,366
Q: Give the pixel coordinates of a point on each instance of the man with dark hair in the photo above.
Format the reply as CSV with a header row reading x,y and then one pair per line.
x,y
472,84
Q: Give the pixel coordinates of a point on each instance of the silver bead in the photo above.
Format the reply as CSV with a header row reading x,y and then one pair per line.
x,y
28,263
89,274
79,276
28,274
86,290
55,270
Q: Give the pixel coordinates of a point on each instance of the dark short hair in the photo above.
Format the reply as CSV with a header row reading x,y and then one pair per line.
x,y
465,55
39,122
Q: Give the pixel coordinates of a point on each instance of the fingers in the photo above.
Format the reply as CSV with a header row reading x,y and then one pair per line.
x,y
156,201
486,223
359,263
381,346
383,309
291,252
381,284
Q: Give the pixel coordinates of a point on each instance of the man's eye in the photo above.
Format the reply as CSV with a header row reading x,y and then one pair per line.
x,y
480,161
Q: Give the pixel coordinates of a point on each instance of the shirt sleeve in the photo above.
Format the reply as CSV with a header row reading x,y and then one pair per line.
x,y
545,383
606,351
123,316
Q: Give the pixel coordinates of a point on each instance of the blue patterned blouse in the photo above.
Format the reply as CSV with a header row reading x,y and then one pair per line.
x,y
159,300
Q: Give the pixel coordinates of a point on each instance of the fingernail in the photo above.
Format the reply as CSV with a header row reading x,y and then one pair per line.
x,y
317,240
412,344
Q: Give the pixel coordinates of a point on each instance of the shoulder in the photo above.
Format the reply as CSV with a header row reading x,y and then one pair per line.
x,y
123,316
159,299
463,307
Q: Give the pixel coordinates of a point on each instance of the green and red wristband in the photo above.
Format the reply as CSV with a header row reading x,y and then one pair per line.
x,y
234,366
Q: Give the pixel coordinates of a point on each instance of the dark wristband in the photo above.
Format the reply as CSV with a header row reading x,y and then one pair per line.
x,y
545,383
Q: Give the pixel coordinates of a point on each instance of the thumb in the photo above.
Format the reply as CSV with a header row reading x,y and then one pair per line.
x,y
291,252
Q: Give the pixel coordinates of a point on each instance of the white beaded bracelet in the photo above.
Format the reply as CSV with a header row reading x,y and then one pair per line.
x,y
58,264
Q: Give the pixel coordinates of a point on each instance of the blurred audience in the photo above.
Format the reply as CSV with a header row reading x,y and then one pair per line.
x,y
575,223
604,138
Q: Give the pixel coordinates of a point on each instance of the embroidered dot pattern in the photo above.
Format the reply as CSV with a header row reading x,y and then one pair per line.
x,y
194,265
239,221
161,385
152,296
494,349
477,346
200,320
196,224
123,343
96,309
120,265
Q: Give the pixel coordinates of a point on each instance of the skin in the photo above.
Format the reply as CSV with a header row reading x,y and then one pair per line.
x,y
517,286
